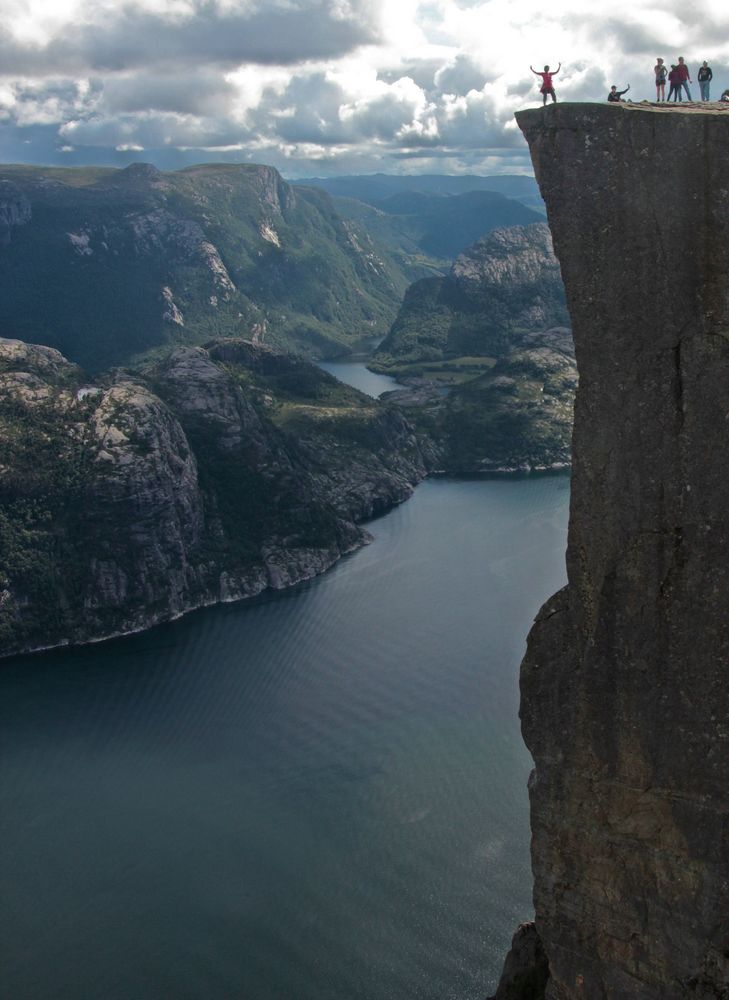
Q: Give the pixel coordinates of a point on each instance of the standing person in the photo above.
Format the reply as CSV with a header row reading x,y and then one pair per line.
x,y
705,76
684,78
674,91
547,86
661,73
616,95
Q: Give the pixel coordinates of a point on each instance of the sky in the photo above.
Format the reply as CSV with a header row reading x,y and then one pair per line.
x,y
322,87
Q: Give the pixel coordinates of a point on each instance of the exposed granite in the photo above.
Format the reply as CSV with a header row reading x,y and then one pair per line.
x,y
15,210
518,416
136,499
625,701
526,970
506,284
514,417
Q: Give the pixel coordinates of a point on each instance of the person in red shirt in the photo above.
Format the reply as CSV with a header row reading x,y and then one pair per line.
x,y
547,86
684,78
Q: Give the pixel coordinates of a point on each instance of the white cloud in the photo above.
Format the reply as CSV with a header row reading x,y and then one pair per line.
x,y
396,85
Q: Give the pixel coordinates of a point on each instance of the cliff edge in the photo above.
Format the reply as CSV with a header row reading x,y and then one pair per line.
x,y
625,701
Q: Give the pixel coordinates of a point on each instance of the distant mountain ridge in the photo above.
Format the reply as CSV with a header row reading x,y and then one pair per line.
x,y
439,227
374,188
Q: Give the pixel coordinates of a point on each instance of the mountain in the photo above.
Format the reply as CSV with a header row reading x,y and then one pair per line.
x,y
506,284
437,226
126,500
514,417
105,265
518,416
374,188
624,695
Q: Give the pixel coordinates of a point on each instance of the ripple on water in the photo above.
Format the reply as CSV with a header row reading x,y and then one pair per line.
x,y
318,794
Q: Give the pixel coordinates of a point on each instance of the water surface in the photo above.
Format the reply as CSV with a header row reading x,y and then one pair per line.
x,y
356,373
318,795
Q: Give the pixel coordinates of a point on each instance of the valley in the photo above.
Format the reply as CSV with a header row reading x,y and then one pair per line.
x,y
211,468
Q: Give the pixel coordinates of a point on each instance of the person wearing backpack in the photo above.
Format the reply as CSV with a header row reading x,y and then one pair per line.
x,y
674,91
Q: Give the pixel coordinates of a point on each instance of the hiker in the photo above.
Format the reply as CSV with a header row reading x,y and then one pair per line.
x,y
684,78
616,95
704,76
674,91
661,73
547,87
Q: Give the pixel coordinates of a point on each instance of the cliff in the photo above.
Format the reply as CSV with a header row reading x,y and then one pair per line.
x,y
207,477
491,335
503,285
625,701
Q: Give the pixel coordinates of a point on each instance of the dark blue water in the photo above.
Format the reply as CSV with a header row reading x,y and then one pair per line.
x,y
357,374
320,795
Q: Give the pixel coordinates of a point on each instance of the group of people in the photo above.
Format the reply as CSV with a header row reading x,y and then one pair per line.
x,y
678,79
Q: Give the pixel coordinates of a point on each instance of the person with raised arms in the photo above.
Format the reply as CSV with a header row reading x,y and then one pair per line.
x,y
547,85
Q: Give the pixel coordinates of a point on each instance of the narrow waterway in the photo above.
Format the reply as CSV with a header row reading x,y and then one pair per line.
x,y
357,374
318,795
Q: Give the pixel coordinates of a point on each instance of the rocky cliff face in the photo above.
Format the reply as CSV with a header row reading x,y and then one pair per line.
x,y
506,284
207,477
517,417
625,701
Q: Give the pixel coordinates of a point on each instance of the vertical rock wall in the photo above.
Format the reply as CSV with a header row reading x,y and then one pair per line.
x,y
625,686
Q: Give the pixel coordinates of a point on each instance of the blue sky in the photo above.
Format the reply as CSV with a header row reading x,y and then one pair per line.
x,y
320,87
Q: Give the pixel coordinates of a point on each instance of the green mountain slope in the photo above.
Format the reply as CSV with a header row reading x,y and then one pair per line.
x,y
107,264
506,284
514,417
439,227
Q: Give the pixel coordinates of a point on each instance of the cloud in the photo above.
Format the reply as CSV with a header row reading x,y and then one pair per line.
x,y
202,32
460,76
200,92
319,83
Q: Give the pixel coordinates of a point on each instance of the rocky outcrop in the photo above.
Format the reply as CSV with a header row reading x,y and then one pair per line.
x,y
625,702
504,285
526,970
516,265
514,417
208,477
15,210
517,417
